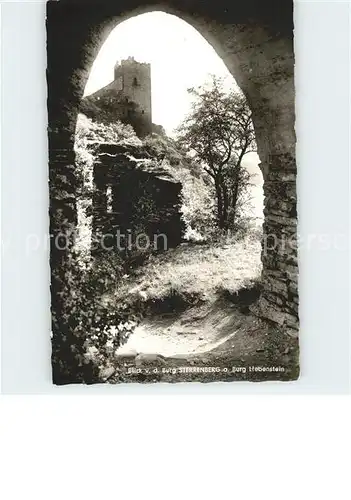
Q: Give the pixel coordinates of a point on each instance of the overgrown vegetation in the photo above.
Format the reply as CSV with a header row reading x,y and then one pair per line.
x,y
198,272
94,330
89,134
197,193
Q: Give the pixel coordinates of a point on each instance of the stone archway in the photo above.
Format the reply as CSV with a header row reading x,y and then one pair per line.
x,y
255,40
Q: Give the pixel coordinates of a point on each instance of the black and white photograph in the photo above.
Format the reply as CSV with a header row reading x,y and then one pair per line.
x,y
175,249
172,179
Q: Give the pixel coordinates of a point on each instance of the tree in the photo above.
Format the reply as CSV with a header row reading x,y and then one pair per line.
x,y
218,133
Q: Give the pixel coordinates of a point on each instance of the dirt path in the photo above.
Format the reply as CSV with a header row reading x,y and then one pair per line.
x,y
195,331
215,336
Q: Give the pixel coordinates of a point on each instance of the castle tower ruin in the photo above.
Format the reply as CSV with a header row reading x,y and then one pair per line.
x,y
134,79
127,98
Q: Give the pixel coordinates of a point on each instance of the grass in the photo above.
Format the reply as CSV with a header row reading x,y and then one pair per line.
x,y
191,270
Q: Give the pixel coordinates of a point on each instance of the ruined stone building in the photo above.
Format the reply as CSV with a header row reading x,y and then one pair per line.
x,y
127,98
135,195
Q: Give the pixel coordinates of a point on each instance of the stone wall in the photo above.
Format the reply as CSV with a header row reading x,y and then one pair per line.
x,y
279,299
135,197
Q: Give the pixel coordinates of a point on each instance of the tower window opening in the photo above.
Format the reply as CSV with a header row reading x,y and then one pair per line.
x,y
109,199
135,82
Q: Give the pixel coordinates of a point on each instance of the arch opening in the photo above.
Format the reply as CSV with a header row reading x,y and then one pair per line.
x,y
263,65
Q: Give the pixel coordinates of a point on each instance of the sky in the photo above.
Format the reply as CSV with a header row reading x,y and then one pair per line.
x,y
180,58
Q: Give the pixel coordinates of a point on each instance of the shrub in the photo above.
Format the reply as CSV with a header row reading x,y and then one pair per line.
x,y
197,195
95,329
